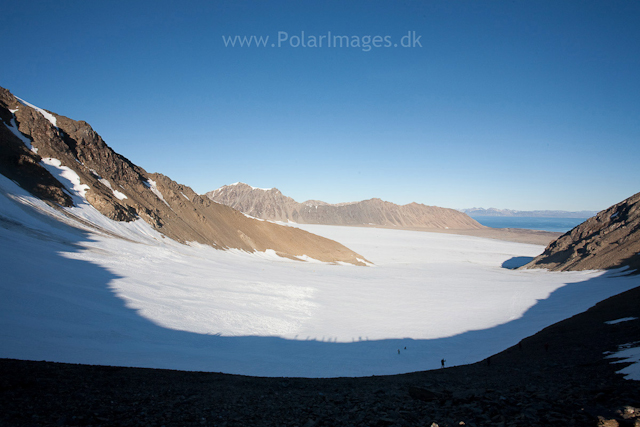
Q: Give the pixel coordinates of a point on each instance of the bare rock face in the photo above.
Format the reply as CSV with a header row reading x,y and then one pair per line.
x,y
611,239
124,191
20,164
272,205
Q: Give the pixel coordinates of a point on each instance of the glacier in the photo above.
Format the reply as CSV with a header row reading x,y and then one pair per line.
x,y
108,293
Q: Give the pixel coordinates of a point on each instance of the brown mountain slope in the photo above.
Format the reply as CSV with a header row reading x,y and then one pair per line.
x,y
610,239
171,208
272,205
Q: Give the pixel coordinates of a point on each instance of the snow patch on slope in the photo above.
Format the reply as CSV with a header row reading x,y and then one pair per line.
x,y
13,127
137,230
242,183
151,185
307,258
624,319
629,353
46,114
23,204
368,264
118,194
252,217
68,178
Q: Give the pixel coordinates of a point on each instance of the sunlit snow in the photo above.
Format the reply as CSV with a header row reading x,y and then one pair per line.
x,y
253,188
151,185
77,296
252,217
46,114
119,195
13,127
67,177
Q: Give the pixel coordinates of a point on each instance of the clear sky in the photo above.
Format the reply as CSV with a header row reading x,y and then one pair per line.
x,y
507,104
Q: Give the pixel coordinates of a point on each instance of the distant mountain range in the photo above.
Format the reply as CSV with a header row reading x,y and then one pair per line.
x,y
34,142
472,212
271,204
65,162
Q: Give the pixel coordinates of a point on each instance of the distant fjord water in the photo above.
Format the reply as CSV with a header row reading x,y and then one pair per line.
x,y
531,223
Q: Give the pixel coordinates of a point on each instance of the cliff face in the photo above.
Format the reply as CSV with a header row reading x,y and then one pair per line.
x,y
271,204
610,239
124,191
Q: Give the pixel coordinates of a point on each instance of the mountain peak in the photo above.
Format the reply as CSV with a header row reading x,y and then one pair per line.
x,y
273,205
242,184
65,162
610,239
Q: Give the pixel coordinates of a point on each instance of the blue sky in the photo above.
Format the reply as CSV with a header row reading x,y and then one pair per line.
x,y
508,104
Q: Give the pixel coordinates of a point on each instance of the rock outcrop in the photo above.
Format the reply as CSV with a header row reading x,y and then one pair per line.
x,y
611,239
124,191
272,205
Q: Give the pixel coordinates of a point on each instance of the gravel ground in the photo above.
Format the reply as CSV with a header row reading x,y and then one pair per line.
x,y
556,377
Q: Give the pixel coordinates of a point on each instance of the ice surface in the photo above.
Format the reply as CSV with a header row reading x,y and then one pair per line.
x,y
46,114
83,296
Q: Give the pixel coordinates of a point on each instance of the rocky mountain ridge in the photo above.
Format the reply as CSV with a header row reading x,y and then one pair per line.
x,y
272,205
122,191
611,239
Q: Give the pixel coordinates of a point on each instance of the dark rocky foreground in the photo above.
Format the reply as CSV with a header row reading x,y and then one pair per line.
x,y
557,377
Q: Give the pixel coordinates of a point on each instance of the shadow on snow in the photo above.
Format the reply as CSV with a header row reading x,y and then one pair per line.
x,y
516,262
61,309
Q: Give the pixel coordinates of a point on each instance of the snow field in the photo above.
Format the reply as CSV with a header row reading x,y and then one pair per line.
x,y
79,296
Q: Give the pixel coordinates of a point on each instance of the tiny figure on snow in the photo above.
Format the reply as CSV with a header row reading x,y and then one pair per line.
x,y
442,363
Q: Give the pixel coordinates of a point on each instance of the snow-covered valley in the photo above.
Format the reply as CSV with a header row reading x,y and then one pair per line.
x,y
80,296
